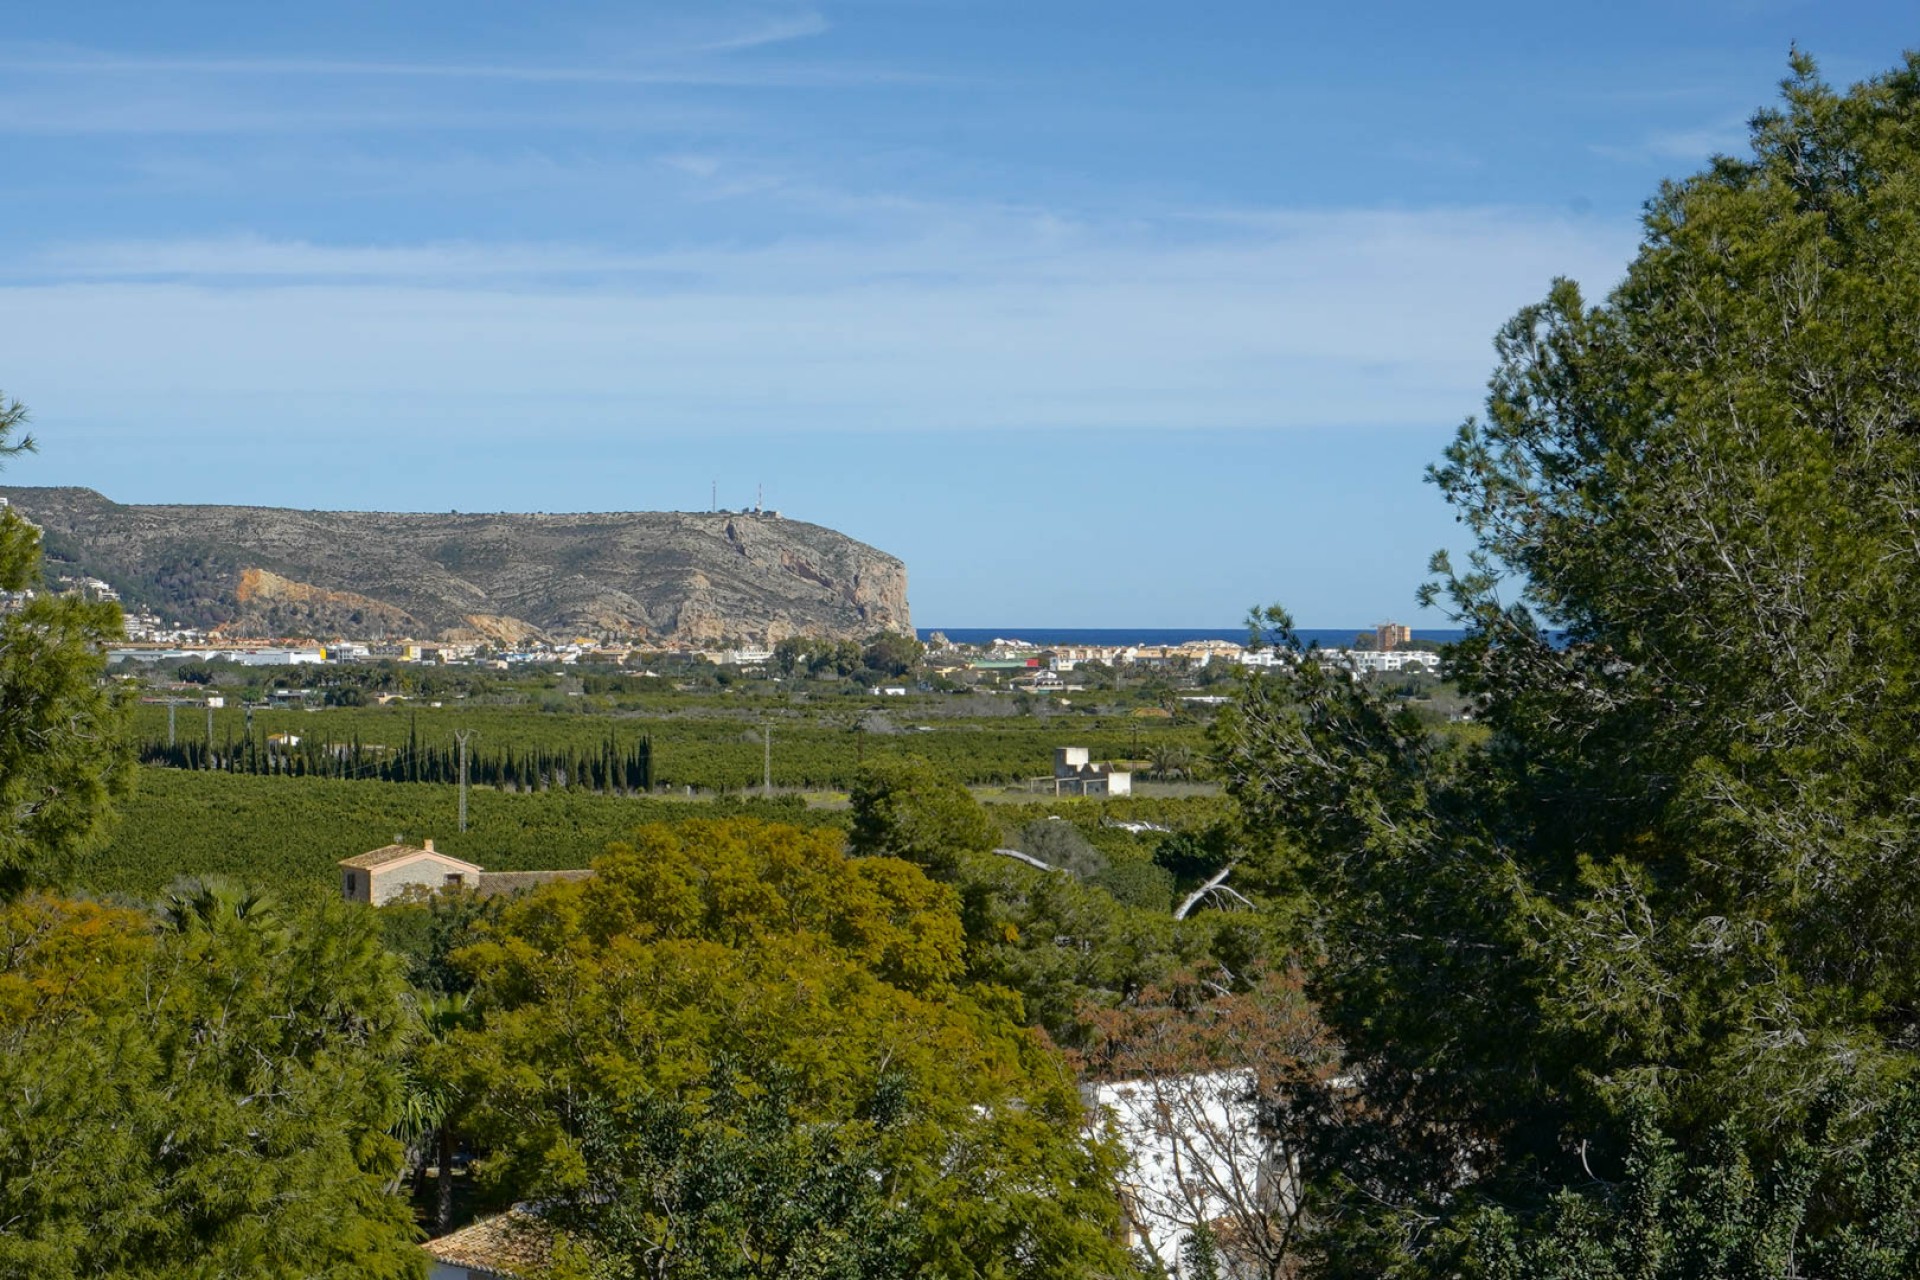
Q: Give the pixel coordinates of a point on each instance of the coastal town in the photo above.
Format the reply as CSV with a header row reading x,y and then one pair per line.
x,y
1388,648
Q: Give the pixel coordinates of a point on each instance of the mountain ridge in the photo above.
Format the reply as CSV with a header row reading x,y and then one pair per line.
x,y
501,577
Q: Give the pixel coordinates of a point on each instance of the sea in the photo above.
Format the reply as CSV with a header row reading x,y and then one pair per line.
x,y
1054,637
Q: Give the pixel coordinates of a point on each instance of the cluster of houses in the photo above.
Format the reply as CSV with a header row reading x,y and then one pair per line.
x,y
1046,670
83,587
149,640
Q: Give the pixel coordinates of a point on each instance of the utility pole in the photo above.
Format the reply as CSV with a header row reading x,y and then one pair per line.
x,y
173,707
766,776
461,736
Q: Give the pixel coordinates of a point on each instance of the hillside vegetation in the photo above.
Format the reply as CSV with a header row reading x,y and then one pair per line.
x,y
497,577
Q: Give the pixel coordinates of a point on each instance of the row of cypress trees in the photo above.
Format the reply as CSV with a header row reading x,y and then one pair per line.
x,y
609,767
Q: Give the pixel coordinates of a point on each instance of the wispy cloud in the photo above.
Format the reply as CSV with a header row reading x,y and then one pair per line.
x,y
691,58
155,114
254,258
1726,136
1247,319
718,76
93,93
774,30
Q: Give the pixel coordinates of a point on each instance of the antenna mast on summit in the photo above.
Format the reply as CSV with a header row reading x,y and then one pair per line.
x,y
759,498
713,504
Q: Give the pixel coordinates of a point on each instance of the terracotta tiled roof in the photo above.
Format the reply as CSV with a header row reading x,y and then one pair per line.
x,y
510,1244
376,858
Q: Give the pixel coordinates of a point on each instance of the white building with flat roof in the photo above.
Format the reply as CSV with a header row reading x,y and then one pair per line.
x,y
1075,775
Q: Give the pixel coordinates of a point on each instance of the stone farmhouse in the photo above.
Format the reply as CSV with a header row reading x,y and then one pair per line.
x,y
381,875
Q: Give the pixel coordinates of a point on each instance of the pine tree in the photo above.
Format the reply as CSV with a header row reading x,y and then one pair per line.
x,y
1668,899
64,749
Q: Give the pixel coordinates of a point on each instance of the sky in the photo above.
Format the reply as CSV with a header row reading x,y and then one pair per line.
x,y
1096,314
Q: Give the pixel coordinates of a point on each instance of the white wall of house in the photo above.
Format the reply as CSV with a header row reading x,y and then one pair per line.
x,y
452,1271
1194,1150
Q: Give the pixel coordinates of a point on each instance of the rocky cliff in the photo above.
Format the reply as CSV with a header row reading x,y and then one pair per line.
x,y
661,575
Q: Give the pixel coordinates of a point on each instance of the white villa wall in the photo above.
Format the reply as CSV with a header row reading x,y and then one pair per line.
x,y
1194,1151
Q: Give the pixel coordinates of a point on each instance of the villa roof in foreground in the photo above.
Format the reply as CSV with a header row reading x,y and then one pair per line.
x,y
510,1244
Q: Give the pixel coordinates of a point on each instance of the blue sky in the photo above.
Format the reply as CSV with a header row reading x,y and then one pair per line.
x,y
1097,314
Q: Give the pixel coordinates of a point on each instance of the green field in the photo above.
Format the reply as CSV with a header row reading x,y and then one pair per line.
x,y
272,830
280,830
713,744
309,809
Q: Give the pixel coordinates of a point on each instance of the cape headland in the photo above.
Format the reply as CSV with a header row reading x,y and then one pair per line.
x,y
503,578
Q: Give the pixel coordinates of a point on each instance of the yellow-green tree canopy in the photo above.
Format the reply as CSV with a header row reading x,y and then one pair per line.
x,y
737,1052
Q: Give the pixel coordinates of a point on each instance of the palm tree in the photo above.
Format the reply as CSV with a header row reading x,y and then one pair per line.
x,y
431,1097
194,904
1171,761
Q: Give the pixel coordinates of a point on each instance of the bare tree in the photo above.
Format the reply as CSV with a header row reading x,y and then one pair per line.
x,y
1210,1095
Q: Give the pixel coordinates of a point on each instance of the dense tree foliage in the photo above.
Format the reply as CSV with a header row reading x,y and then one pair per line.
x,y
905,808
206,1092
1653,943
737,1052
1063,944
62,751
886,656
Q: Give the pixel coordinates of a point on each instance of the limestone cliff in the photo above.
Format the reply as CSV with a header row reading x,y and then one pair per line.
x,y
265,571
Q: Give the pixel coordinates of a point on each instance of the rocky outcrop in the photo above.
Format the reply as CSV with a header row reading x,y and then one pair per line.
x,y
505,578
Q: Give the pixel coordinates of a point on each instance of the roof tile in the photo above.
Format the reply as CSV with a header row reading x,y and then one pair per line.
x,y
512,1244
374,859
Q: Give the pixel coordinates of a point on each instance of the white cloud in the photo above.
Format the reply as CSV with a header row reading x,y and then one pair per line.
x,y
1727,136
665,72
588,85
1245,319
150,113
774,29
693,166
